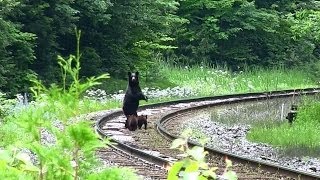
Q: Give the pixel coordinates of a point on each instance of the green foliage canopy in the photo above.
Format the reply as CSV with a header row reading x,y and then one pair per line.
x,y
120,35
242,32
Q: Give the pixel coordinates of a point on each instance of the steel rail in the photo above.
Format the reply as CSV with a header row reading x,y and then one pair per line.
x,y
235,98
268,166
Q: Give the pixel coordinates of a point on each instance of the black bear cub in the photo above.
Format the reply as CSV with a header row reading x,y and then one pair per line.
x,y
132,122
133,96
142,120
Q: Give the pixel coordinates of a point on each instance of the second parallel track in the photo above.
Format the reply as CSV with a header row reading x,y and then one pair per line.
x,y
147,145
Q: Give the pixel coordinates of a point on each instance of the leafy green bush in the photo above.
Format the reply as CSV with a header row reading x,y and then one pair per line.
x,y
314,71
14,163
194,166
114,174
5,105
69,152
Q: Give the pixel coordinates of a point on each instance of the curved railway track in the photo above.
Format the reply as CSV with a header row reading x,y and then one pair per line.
x,y
149,153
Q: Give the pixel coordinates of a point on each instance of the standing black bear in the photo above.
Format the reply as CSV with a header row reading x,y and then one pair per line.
x,y
133,95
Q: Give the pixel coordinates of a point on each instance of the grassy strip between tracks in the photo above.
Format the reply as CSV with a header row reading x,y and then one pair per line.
x,y
300,138
303,135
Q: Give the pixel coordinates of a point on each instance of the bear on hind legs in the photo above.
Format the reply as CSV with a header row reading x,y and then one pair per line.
x,y
133,96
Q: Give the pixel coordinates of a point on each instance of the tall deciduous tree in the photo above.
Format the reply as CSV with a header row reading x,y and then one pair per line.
x,y
94,17
48,20
16,52
118,35
136,29
122,35
242,32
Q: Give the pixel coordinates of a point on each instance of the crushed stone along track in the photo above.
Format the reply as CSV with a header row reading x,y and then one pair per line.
x,y
118,157
148,144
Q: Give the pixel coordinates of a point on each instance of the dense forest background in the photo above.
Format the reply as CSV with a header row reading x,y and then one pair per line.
x,y
121,35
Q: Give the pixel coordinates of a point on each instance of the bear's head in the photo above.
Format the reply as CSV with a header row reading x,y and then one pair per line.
x,y
133,78
143,117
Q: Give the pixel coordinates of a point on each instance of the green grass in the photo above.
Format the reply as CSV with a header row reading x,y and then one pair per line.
x,y
215,81
266,112
64,105
302,136
113,85
305,136
205,81
208,81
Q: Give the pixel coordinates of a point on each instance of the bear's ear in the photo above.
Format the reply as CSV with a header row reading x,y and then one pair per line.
x,y
137,73
146,117
129,73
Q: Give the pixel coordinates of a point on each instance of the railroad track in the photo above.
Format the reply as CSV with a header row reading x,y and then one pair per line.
x,y
146,146
121,158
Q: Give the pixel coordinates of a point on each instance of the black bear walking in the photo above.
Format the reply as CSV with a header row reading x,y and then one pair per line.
x,y
133,96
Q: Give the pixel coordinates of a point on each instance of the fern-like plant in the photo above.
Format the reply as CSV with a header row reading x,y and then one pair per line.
x,y
68,151
194,165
